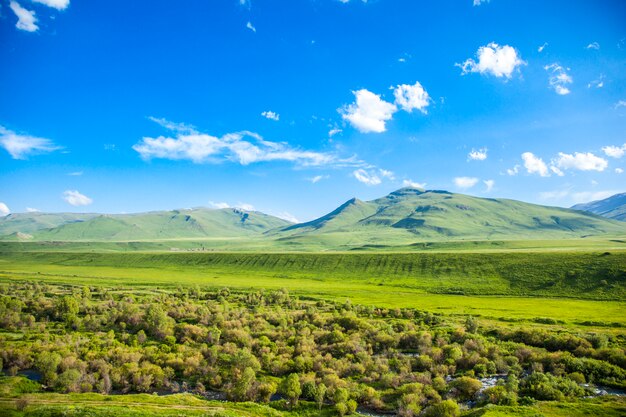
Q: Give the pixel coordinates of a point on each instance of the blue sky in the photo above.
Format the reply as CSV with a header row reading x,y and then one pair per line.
x,y
292,107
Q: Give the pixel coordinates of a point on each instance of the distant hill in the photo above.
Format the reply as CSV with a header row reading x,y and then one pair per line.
x,y
613,207
410,215
403,218
175,224
27,223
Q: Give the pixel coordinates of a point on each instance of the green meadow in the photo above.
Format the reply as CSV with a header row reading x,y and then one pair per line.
x,y
572,286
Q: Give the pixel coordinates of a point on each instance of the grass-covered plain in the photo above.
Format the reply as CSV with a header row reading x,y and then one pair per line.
x,y
572,286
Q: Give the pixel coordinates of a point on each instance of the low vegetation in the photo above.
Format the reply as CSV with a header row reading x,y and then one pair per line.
x,y
296,355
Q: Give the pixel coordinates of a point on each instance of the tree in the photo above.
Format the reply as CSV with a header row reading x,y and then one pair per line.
x,y
265,391
320,393
447,408
243,387
157,322
291,389
471,324
465,387
67,308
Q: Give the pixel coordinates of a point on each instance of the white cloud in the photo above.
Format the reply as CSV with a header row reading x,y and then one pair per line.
x,y
542,47
333,132
4,210
593,45
245,206
465,182
410,97
500,61
219,205
586,196
599,83
513,171
249,26
57,4
557,171
75,198
489,184
367,178
20,146
559,79
318,178
242,147
287,216
31,210
576,197
271,115
554,195
581,161
535,165
369,112
169,125
387,174
619,171
413,184
26,19
614,151
621,103
479,2
478,155
75,174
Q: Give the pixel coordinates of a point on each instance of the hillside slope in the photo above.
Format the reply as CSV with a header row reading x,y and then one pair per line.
x,y
27,223
175,224
410,215
613,207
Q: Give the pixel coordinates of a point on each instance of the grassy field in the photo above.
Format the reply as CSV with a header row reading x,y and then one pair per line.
x,y
574,287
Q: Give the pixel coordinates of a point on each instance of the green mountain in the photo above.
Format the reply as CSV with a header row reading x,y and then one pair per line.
x,y
175,224
27,223
412,215
613,207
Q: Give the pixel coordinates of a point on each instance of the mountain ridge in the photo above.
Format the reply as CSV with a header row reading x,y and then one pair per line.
x,y
402,217
613,207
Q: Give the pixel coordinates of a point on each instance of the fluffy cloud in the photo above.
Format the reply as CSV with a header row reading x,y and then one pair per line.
x,y
20,146
619,171
271,115
479,2
465,182
332,132
219,205
581,161
32,210
413,184
489,184
410,97
500,61
614,151
245,206
242,147
249,26
56,4
542,47
478,155
559,79
318,178
513,171
369,112
593,45
26,19
621,103
367,177
4,210
535,165
287,216
76,199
